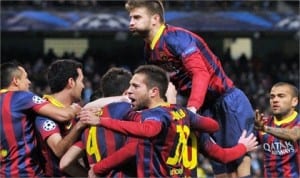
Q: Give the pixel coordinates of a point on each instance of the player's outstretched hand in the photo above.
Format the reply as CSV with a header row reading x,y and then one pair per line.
x,y
259,122
249,141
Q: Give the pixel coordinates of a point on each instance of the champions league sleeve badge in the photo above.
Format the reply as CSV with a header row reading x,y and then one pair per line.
x,y
37,100
49,125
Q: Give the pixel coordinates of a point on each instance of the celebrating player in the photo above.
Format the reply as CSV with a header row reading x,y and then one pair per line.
x,y
197,74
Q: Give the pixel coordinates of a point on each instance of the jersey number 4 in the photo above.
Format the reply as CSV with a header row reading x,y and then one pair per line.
x,y
92,146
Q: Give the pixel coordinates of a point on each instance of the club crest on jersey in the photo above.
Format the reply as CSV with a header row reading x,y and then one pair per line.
x,y
49,125
38,100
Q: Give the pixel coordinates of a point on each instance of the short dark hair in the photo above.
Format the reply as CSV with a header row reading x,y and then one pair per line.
x,y
59,73
294,89
154,7
155,77
115,81
8,71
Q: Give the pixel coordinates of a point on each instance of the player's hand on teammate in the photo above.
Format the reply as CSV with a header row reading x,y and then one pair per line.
x,y
259,122
171,93
192,108
73,110
88,116
91,172
249,141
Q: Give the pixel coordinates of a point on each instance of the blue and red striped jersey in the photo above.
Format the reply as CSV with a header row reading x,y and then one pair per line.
x,y
208,147
281,157
46,127
19,152
187,58
100,142
164,133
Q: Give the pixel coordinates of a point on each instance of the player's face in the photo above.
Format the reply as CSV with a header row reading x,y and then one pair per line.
x,y
23,82
282,101
138,92
79,86
140,22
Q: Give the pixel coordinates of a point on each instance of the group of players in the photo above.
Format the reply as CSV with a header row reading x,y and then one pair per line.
x,y
145,135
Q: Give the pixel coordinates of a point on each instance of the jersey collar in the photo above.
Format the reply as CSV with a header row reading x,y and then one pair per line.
x,y
157,36
54,101
3,90
285,120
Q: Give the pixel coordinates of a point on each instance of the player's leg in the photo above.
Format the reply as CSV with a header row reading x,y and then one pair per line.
x,y
239,116
212,110
244,169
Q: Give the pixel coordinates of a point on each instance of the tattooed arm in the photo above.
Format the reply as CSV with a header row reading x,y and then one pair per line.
x,y
292,134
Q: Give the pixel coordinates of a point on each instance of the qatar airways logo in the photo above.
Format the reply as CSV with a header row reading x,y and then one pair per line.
x,y
279,148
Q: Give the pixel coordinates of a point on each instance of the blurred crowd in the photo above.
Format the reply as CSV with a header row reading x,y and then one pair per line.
x,y
254,76
205,5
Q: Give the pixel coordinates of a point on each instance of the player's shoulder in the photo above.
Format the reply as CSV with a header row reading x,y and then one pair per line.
x,y
23,93
117,109
152,112
27,96
44,119
173,34
119,104
162,111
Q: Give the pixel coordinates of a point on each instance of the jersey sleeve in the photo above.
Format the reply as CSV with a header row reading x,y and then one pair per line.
x,y
27,100
194,64
79,144
214,151
184,46
46,127
121,156
203,124
147,129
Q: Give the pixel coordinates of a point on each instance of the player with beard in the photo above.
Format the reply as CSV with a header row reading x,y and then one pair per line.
x,y
98,142
197,74
19,152
65,79
163,129
279,134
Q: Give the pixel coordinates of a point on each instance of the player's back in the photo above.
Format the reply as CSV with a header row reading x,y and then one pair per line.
x,y
19,151
101,142
167,153
174,47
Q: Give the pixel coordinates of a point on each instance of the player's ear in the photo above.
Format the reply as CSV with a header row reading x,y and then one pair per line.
x,y
156,18
154,92
71,82
294,101
15,81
